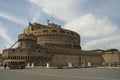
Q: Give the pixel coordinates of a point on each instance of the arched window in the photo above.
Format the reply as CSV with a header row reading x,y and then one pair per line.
x,y
68,32
62,31
71,33
21,50
54,30
32,29
45,31
13,50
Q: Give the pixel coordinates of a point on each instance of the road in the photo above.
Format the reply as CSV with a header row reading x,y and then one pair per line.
x,y
60,74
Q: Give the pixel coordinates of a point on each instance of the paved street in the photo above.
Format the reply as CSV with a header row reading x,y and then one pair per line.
x,y
60,74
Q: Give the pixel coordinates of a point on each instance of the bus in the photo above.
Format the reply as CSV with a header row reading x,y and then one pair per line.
x,y
15,64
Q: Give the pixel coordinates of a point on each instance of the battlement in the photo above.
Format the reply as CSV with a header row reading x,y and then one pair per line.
x,y
26,37
54,25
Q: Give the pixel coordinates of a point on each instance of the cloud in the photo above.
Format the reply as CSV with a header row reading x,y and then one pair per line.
x,y
86,25
11,18
5,36
104,43
101,30
35,13
61,9
36,17
90,26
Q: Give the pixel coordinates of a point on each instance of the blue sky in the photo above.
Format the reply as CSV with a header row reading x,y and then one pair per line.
x,y
97,21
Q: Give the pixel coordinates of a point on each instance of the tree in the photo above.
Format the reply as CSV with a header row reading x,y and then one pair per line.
x,y
112,50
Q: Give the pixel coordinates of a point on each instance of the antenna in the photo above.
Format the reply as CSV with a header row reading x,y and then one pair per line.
x,y
52,19
109,44
52,16
48,20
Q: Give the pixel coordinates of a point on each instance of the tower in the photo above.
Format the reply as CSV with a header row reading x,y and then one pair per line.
x,y
26,41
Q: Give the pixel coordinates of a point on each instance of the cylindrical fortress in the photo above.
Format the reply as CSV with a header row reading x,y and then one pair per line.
x,y
41,44
26,41
54,34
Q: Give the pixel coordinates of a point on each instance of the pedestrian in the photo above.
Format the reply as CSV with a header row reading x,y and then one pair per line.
x,y
5,65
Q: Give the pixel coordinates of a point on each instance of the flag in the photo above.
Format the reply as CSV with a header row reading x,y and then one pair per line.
x,y
30,24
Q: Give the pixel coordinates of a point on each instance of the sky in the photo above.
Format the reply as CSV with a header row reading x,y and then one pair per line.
x,y
96,21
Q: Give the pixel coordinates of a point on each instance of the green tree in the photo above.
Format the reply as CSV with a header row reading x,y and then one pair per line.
x,y
112,50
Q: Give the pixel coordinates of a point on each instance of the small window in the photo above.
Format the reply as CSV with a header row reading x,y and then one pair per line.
x,y
54,30
33,50
32,29
62,31
71,33
13,50
45,31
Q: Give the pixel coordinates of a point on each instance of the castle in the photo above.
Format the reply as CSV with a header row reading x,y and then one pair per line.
x,y
41,44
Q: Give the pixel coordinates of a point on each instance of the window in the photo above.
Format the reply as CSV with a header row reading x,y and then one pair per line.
x,y
33,50
71,33
68,32
62,31
54,30
45,31
13,50
32,29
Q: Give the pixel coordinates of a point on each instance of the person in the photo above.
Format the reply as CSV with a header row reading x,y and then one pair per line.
x,y
5,65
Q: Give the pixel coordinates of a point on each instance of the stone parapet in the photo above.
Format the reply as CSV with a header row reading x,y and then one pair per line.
x,y
27,37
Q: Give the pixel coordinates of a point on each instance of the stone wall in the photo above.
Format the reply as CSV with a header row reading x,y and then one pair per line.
x,y
94,57
111,58
64,60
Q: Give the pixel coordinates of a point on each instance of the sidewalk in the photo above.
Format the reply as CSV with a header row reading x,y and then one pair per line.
x,y
1,67
109,67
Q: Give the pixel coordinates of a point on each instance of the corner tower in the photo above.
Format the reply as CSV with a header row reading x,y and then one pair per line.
x,y
26,41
